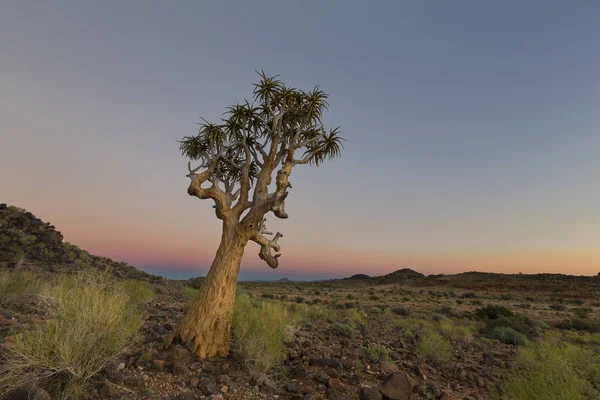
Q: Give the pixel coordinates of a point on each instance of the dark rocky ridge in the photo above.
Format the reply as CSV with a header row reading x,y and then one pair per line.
x,y
27,240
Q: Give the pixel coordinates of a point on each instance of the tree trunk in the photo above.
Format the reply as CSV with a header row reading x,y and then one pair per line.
x,y
206,326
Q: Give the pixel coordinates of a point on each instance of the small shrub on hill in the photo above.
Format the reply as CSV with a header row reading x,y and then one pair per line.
x,y
548,370
375,353
92,320
434,348
260,329
508,335
344,330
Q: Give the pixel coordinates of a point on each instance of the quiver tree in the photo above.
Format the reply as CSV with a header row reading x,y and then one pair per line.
x,y
236,161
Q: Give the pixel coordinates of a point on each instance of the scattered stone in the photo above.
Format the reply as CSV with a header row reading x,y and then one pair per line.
x,y
397,386
194,382
388,367
179,369
115,377
195,366
336,384
325,362
224,388
368,393
186,396
321,377
158,365
292,387
107,391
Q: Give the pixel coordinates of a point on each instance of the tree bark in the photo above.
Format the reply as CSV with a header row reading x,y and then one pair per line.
x,y
206,326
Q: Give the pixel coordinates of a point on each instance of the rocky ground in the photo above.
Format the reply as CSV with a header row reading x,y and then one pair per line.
x,y
322,363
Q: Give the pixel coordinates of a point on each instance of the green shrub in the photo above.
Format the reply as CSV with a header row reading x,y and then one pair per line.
x,y
375,353
92,319
493,312
547,371
457,333
401,311
375,310
188,293
355,318
558,307
469,295
268,296
139,291
318,313
434,348
344,330
508,335
579,324
260,329
17,287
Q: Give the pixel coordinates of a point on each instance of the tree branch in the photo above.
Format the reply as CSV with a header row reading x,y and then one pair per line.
x,y
266,245
196,189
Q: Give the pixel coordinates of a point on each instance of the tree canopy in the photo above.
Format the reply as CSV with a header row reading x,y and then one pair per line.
x,y
281,127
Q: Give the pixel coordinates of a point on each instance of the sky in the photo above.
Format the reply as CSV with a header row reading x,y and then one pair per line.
x,y
472,130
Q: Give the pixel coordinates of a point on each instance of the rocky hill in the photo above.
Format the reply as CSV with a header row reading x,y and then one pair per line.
x,y
27,240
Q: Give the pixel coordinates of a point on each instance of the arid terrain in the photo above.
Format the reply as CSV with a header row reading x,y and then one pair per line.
x,y
399,336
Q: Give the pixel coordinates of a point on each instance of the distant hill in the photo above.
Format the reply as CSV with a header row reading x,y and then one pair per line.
x,y
284,280
359,277
27,240
400,275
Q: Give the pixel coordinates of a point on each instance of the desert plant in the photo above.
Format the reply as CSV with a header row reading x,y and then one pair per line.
x,y
344,330
252,146
455,332
17,286
375,353
260,329
92,320
508,335
434,348
551,371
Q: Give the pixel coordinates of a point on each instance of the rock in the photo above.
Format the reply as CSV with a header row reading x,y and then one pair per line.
x,y
333,394
130,381
336,384
368,393
325,362
446,396
186,396
115,377
107,391
194,382
388,367
207,386
321,377
224,388
418,371
180,352
179,369
299,373
258,379
420,388
28,393
215,397
397,386
158,365
292,387
223,379
195,366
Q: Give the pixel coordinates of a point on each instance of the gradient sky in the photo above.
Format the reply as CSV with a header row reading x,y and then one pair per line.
x,y
473,129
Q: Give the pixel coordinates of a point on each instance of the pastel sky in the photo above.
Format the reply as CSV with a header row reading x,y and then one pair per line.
x,y
473,129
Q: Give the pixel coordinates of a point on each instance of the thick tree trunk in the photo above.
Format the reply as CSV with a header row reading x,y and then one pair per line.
x,y
206,326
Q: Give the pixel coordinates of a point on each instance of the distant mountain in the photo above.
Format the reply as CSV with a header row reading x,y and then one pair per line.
x,y
359,277
284,280
400,276
27,240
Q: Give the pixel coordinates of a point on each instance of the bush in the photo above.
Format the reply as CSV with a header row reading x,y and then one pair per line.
x,y
375,353
17,287
549,371
260,329
401,311
92,320
457,333
375,310
268,296
558,307
317,313
344,330
355,318
469,295
509,336
579,324
140,292
434,348
493,312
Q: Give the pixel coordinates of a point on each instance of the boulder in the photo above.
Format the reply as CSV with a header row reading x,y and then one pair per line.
x,y
397,386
